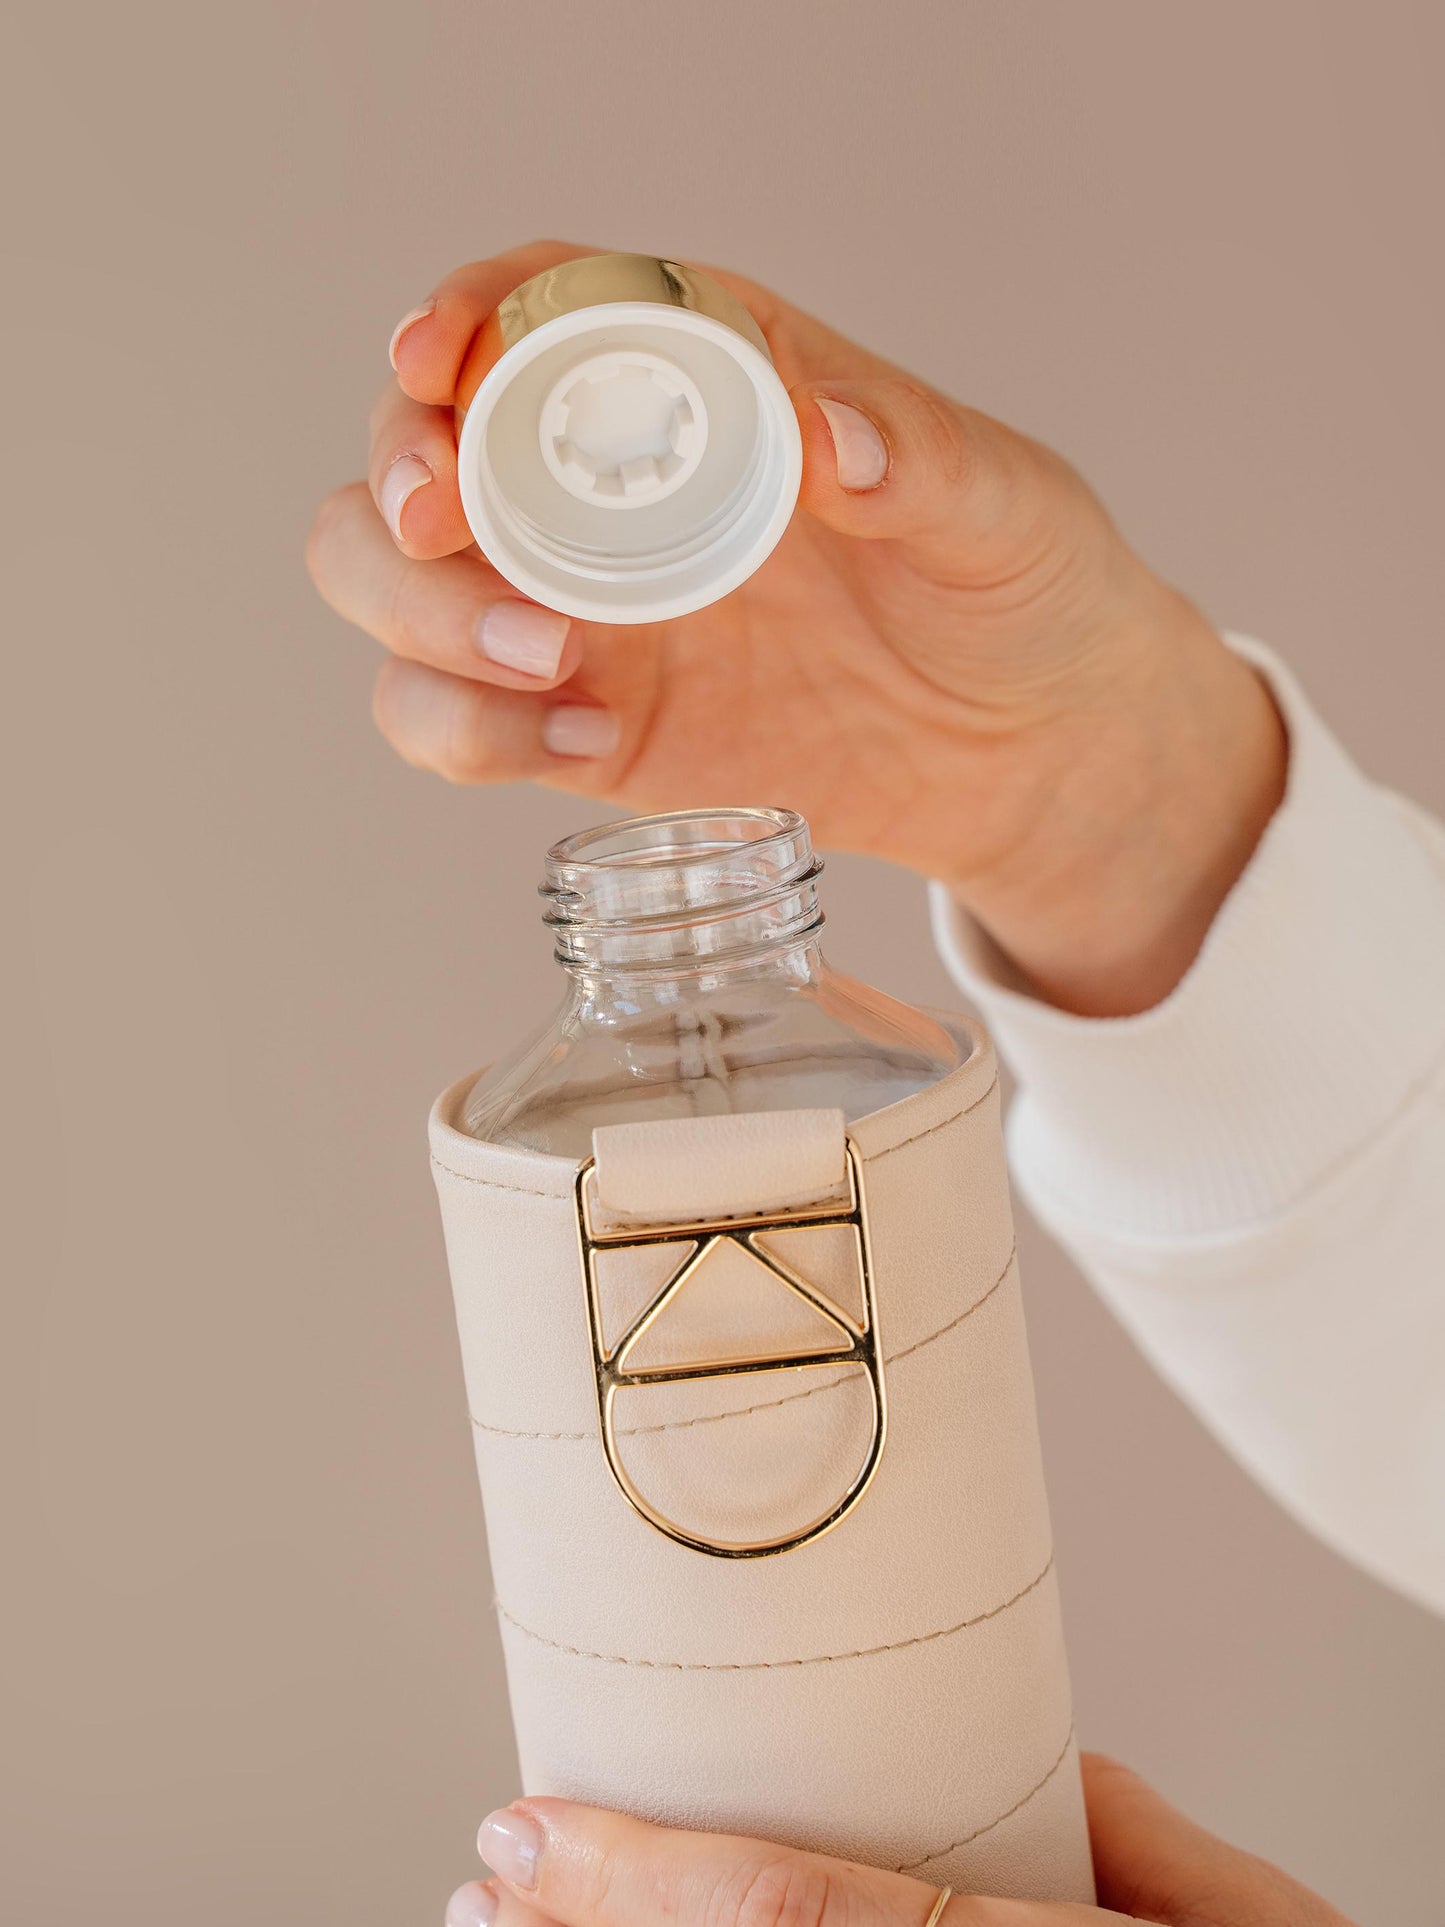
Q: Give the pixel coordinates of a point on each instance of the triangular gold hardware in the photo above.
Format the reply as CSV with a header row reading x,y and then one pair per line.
x,y
729,1302
629,1282
825,1261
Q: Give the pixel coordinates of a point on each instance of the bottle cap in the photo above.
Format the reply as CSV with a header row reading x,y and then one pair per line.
x,y
632,455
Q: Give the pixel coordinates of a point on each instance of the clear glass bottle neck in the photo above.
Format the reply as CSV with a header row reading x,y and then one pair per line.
x,y
686,897
696,986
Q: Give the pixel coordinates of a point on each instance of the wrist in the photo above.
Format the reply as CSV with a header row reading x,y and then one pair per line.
x,y
1146,803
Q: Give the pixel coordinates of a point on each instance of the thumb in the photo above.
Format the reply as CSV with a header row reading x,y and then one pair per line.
x,y
890,458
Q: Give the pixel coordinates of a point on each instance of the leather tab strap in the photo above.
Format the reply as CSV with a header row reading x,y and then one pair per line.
x,y
672,1170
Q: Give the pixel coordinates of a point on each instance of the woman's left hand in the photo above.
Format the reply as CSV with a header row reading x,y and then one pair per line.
x,y
555,1861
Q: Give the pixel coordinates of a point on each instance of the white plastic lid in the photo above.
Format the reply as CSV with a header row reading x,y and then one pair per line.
x,y
630,461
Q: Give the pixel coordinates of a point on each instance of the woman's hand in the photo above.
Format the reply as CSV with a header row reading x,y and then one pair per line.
x,y
555,1861
951,660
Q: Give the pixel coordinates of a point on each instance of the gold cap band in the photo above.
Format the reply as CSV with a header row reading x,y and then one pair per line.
x,y
594,279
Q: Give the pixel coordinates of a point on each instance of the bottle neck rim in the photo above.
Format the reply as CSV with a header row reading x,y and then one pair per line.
x,y
673,894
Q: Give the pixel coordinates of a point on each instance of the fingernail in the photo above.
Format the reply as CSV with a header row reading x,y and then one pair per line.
x,y
860,451
471,1906
408,321
574,729
511,1844
523,635
406,475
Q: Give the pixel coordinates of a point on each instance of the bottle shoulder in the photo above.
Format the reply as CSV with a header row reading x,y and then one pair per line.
x,y
825,1040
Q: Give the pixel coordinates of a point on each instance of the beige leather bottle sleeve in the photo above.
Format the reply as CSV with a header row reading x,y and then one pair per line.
x,y
894,1691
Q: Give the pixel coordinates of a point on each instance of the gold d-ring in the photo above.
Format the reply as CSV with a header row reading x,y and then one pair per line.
x,y
858,1343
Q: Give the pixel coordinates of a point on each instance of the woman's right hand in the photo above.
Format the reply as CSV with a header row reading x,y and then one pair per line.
x,y
558,1864
951,660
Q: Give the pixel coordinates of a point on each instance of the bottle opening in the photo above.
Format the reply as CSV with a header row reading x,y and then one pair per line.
x,y
654,891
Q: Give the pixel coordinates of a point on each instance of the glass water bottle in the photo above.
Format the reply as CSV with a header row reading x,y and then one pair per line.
x,y
738,1299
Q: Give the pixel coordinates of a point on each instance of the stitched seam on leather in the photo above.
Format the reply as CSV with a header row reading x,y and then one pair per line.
x,y
496,1184
769,1404
942,1123
778,1665
913,1866
507,1432
531,1191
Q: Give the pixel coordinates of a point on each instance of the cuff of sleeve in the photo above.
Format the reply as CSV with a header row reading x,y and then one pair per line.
x,y
1313,1013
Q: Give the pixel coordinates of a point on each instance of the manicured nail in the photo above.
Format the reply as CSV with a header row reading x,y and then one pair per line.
x,y
574,729
511,1844
860,451
408,321
471,1906
523,635
406,475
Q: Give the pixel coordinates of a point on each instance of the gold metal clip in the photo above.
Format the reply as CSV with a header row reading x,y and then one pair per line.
x,y
858,1343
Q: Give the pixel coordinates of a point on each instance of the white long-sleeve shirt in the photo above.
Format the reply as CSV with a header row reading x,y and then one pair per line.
x,y
1252,1173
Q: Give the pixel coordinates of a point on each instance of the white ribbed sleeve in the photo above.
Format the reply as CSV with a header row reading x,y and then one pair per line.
x,y
1253,1172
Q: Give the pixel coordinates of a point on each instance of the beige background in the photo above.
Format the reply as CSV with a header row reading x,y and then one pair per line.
x,y
248,1671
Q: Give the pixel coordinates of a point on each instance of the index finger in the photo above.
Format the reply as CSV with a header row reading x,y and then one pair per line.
x,y
430,346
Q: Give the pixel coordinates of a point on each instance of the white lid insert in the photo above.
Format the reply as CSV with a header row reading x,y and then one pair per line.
x,y
629,461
